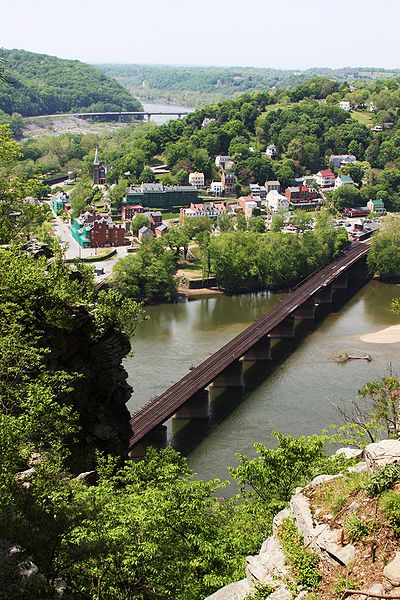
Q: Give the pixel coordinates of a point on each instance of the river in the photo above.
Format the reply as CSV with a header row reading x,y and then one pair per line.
x,y
156,107
294,394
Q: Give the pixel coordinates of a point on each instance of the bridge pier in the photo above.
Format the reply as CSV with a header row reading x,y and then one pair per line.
x,y
323,295
197,407
341,282
284,329
231,376
261,350
305,312
156,438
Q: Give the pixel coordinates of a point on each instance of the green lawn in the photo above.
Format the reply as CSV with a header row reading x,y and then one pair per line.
x,y
362,117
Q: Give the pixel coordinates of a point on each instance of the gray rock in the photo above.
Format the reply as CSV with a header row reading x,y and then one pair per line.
x,y
382,453
350,453
24,476
323,479
279,518
267,565
391,572
27,569
376,588
89,477
281,594
234,591
361,466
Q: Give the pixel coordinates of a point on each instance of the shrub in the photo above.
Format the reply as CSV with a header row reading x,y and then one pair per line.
x,y
383,480
390,504
261,592
303,562
356,528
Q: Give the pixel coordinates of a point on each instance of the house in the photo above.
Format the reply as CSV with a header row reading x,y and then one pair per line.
x,y
272,185
155,219
210,210
145,233
325,178
340,160
344,105
258,191
271,151
206,122
60,203
129,211
343,180
358,211
228,181
376,206
197,180
161,230
92,230
276,202
303,197
217,188
224,162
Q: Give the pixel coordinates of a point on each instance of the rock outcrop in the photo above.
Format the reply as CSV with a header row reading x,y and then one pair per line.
x,y
382,453
101,389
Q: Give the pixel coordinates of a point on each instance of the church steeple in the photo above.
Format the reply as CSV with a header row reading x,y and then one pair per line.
x,y
96,157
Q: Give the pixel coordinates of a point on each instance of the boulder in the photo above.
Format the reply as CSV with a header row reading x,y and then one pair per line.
x,y
281,594
300,507
382,453
89,477
278,518
350,453
361,466
267,565
376,588
391,572
323,479
234,591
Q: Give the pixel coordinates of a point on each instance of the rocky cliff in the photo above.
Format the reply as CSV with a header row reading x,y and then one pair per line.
x,y
101,389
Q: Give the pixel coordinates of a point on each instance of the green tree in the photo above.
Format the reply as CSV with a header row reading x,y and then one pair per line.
x,y
384,255
224,223
277,223
257,224
241,222
139,221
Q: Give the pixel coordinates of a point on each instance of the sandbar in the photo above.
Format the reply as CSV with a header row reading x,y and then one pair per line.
x,y
390,335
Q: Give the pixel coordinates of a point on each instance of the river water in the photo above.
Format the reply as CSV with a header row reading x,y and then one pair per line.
x,y
156,107
294,394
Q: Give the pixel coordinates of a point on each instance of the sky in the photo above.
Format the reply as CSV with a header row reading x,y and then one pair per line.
x,y
289,34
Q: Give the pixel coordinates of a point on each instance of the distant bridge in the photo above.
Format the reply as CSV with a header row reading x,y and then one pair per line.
x,y
115,116
188,398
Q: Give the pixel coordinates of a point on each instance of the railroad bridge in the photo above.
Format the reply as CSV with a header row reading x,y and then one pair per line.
x,y
115,116
188,397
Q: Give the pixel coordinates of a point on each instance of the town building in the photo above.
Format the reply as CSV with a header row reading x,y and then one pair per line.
x,y
161,230
340,160
228,181
99,170
157,195
258,191
356,211
272,185
217,188
344,105
92,230
197,180
60,203
343,180
303,197
145,233
325,178
129,211
224,162
271,151
210,210
155,219
275,202
376,206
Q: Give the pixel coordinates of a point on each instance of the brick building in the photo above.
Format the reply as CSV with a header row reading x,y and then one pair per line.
x,y
91,230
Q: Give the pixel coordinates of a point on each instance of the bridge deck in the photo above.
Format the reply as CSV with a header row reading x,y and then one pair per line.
x,y
160,409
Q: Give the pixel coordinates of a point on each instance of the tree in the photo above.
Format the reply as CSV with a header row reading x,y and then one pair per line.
x,y
355,171
224,223
139,221
346,196
302,220
277,223
117,193
241,223
257,224
146,176
384,255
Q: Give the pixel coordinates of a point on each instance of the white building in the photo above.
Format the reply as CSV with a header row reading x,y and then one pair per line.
x,y
344,105
276,202
343,180
339,160
217,188
197,180
224,162
249,207
271,151
325,178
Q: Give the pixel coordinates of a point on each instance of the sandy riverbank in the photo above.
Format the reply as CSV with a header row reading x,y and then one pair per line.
x,y
200,293
390,335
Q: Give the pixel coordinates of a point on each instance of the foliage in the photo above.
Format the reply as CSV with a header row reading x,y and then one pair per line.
x,y
335,494
146,274
384,256
303,562
383,479
261,592
356,528
138,222
342,584
390,504
44,84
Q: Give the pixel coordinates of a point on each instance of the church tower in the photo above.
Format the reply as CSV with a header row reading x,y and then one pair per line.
x,y
99,171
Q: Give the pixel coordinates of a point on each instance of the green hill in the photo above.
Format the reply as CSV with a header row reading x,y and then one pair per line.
x,y
42,84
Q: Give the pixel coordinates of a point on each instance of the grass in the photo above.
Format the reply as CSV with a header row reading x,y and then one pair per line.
x,y
362,117
334,495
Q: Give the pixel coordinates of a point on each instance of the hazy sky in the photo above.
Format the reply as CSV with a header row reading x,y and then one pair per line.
x,y
267,33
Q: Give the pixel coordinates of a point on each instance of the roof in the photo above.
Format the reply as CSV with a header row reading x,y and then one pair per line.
x,y
144,229
345,179
378,202
162,227
325,173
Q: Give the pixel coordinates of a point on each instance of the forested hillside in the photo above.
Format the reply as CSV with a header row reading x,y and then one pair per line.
x,y
44,84
195,86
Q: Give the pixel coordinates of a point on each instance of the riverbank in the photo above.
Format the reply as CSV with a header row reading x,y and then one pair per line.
x,y
389,335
